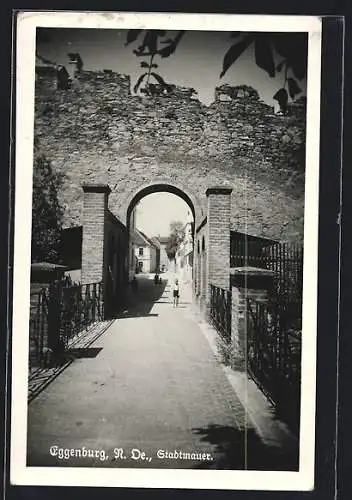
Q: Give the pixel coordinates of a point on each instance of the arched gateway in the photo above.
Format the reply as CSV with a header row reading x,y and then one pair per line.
x,y
105,245
166,187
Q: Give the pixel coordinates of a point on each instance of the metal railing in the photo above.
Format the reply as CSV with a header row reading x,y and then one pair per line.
x,y
82,305
59,313
274,354
220,311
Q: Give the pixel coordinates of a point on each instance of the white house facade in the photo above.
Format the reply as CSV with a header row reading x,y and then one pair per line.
x,y
184,254
145,253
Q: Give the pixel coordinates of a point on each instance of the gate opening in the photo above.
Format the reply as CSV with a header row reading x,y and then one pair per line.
x,y
161,220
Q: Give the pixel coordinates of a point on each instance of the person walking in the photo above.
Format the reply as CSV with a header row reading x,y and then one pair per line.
x,y
176,293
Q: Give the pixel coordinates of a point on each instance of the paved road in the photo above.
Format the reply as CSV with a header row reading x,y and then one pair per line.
x,y
151,385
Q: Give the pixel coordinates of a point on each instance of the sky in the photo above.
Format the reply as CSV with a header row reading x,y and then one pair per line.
x,y
196,63
155,212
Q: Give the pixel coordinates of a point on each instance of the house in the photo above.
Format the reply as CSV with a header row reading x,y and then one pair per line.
x,y
184,254
145,253
163,263
133,261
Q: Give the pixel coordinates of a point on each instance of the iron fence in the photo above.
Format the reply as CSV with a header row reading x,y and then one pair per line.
x,y
285,259
58,313
81,306
274,328
274,354
220,311
38,327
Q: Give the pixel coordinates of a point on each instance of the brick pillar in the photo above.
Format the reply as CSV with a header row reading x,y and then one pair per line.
x,y
246,282
218,236
94,259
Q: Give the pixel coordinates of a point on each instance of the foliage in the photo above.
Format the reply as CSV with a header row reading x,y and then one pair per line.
x,y
176,235
151,47
274,53
290,48
47,211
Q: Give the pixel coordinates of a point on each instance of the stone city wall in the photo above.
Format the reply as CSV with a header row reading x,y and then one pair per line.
x,y
97,132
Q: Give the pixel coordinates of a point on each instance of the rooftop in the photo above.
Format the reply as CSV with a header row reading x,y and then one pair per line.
x,y
141,239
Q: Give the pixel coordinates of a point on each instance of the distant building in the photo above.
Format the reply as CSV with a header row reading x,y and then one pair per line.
x,y
133,261
184,254
145,253
163,262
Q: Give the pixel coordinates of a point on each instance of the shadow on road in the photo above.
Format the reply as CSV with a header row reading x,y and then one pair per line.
x,y
244,450
84,352
140,302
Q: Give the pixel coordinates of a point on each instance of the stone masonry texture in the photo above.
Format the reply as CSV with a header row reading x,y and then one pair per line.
x,y
98,132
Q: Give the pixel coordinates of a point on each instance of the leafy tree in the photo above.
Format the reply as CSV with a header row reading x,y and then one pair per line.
x,y
151,47
176,235
47,211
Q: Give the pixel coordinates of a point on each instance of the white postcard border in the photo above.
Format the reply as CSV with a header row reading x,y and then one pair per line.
x,y
20,474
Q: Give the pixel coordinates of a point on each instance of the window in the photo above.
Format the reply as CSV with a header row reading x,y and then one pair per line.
x,y
140,251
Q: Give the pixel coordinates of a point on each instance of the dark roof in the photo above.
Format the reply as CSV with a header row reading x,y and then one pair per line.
x,y
149,240
237,235
163,239
160,240
142,240
137,239
155,241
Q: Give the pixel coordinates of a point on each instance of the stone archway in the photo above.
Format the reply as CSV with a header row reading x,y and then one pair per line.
x,y
213,230
162,185
158,186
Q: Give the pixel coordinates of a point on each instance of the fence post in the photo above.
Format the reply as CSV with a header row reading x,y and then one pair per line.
x,y
54,316
247,282
238,329
218,236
